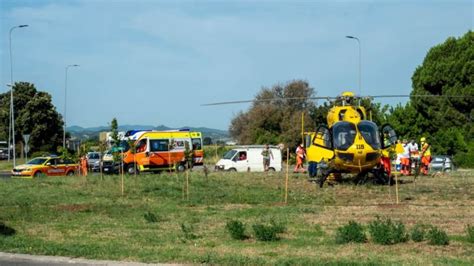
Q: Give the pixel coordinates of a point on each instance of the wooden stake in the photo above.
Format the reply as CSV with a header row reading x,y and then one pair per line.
x,y
121,166
184,184
187,185
286,179
396,187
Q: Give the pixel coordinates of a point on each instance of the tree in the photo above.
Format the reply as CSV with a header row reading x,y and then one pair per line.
x,y
273,118
447,70
114,131
35,115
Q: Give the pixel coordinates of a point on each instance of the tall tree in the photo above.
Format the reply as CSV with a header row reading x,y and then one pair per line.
x,y
114,131
273,118
34,114
447,70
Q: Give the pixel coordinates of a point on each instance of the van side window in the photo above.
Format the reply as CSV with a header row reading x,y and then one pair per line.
x,y
197,145
141,145
159,145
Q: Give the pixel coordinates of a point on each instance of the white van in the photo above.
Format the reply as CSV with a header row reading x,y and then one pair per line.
x,y
249,159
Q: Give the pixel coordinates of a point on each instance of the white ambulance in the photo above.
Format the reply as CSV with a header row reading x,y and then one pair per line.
x,y
249,159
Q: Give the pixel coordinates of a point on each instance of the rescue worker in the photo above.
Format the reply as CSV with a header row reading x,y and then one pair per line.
x,y
414,154
188,156
399,151
84,165
405,158
267,154
425,156
300,157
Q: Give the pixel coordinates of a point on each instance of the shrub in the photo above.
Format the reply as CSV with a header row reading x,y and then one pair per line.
x,y
269,230
236,229
437,237
387,232
418,233
470,233
352,232
188,231
150,217
6,230
265,232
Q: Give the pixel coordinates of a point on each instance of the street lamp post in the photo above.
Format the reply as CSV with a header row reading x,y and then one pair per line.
x,y
65,105
360,62
11,130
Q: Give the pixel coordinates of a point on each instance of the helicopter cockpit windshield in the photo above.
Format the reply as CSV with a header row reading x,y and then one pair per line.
x,y
369,131
343,135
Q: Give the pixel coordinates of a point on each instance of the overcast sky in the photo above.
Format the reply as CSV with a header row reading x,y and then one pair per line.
x,y
155,62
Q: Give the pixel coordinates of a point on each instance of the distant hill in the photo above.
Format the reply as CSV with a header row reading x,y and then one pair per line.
x,y
93,132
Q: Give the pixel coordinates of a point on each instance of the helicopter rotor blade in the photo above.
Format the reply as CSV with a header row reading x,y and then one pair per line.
x,y
418,95
328,98
269,100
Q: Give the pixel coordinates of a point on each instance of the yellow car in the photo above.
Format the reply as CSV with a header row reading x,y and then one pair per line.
x,y
46,166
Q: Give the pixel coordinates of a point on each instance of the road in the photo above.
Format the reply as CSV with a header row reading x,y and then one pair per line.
x,y
10,259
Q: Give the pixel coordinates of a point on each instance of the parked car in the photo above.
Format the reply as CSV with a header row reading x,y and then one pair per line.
x,y
93,160
49,166
111,167
3,150
442,163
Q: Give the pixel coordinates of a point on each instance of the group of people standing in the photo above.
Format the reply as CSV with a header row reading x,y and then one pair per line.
x,y
410,154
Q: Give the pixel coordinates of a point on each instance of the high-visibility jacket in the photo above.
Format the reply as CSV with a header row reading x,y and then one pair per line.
x,y
425,149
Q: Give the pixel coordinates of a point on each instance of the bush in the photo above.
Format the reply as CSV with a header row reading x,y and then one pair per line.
x,y
352,232
236,229
265,232
270,232
387,232
188,231
470,233
437,237
6,230
418,233
150,217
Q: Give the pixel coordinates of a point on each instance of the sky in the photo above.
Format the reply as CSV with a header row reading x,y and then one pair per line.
x,y
155,62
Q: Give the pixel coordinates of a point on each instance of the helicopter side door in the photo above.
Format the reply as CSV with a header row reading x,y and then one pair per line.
x,y
323,146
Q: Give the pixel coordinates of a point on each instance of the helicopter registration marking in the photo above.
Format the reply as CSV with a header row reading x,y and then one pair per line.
x,y
360,146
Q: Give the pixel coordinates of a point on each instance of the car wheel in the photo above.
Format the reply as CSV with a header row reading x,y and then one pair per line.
x,y
447,170
271,169
38,174
70,173
131,170
232,170
180,168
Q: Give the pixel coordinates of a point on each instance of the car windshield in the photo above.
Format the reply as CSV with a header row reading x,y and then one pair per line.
x,y
93,156
343,134
369,131
230,154
37,161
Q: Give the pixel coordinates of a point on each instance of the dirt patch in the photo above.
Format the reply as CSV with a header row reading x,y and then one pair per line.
x,y
73,207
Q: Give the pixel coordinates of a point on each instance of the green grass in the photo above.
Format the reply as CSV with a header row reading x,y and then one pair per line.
x,y
89,217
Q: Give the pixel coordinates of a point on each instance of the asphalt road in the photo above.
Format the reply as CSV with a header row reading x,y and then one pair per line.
x,y
10,259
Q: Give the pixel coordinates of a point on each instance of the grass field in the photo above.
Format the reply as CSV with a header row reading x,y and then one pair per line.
x,y
89,217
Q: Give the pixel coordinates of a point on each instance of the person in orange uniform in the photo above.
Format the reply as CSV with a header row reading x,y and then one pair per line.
x,y
84,165
300,156
405,158
425,156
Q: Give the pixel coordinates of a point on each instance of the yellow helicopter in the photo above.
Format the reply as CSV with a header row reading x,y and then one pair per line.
x,y
349,143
